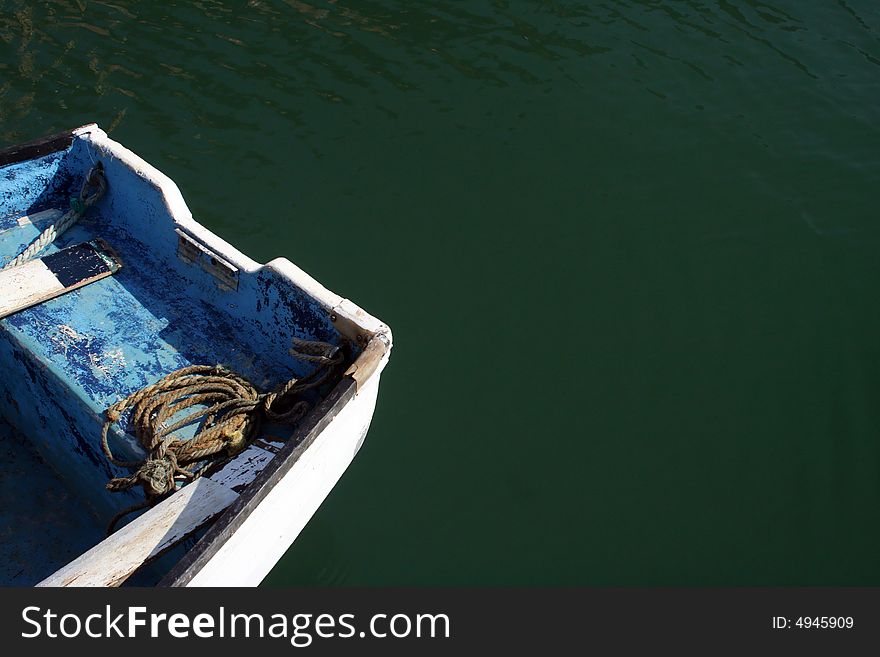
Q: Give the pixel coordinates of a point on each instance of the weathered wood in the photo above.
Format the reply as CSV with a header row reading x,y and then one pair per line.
x,y
369,360
55,274
36,148
41,219
114,559
240,471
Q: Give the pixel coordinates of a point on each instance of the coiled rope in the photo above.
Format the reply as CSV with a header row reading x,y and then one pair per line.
x,y
230,420
92,190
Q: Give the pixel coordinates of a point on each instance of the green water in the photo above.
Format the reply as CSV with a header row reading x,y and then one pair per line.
x,y
629,252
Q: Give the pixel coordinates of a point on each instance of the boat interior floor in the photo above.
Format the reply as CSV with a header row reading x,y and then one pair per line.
x,y
41,523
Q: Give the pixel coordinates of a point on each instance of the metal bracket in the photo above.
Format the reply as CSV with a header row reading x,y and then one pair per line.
x,y
189,250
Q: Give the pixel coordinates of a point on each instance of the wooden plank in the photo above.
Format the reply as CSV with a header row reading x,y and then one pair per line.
x,y
243,469
41,219
369,360
114,559
55,274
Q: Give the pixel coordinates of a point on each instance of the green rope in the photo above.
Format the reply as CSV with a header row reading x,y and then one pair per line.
x,y
77,205
230,414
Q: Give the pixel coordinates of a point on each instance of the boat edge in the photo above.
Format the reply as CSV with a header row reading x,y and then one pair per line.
x,y
41,147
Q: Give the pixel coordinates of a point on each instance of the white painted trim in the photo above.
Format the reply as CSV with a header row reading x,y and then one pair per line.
x,y
112,560
244,468
183,218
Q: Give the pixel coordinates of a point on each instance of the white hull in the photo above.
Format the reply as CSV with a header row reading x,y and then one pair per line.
x,y
257,545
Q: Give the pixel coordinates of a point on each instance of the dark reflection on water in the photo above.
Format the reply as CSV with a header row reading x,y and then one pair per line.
x,y
628,250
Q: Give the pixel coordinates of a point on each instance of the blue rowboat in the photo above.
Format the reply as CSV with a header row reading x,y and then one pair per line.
x,y
157,379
